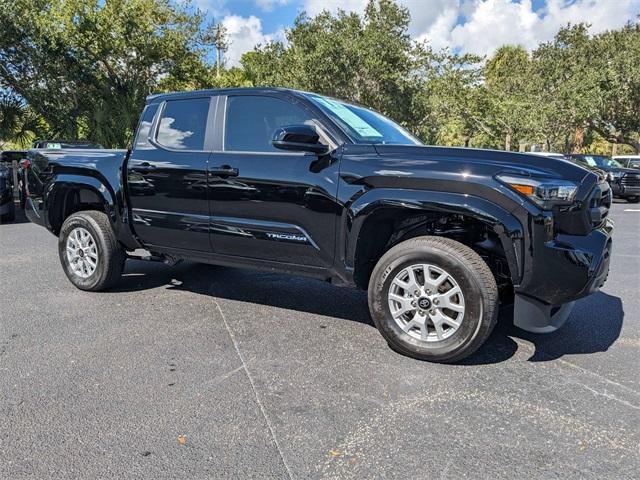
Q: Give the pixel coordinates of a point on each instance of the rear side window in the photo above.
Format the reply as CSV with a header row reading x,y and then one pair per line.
x,y
144,128
251,122
183,124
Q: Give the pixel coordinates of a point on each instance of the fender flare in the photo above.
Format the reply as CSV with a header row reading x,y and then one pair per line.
x,y
66,182
504,223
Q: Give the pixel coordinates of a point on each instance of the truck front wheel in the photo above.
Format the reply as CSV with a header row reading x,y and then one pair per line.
x,y
89,252
433,299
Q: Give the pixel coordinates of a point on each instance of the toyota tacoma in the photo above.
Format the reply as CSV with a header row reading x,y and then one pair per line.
x,y
300,183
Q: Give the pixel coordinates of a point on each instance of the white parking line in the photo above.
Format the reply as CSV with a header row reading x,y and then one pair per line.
x,y
632,209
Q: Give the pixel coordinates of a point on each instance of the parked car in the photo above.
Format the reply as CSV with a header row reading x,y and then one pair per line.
x,y
628,161
7,158
625,182
7,207
66,144
559,156
300,183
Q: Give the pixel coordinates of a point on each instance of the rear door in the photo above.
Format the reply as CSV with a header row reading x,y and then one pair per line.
x,y
166,175
270,204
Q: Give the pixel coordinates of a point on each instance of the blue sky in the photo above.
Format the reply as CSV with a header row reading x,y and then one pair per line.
x,y
475,26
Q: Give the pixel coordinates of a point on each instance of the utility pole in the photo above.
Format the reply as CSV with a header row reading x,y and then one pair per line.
x,y
216,35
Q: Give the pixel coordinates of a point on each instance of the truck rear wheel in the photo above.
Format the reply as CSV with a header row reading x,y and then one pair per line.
x,y
90,255
433,299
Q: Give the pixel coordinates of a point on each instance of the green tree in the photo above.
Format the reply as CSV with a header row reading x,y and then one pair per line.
x,y
86,66
370,60
615,67
511,104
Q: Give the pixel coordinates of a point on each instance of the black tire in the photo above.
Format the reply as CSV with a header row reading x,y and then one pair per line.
x,y
111,256
472,275
633,199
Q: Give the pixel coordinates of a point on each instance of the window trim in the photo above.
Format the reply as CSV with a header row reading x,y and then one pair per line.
x,y
207,144
221,126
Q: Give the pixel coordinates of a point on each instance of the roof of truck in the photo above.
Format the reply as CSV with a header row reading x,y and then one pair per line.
x,y
218,91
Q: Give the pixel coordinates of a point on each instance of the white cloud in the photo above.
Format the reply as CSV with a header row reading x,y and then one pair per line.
x,y
480,26
492,23
268,5
216,8
469,26
244,34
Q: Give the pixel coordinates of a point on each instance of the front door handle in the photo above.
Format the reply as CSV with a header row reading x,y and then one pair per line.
x,y
223,171
142,167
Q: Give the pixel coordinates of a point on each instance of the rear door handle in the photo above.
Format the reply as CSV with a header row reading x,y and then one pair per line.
x,y
223,171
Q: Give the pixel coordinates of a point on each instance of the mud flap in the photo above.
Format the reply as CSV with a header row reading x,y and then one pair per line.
x,y
537,317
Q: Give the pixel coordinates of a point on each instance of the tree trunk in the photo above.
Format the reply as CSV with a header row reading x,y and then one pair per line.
x,y
614,149
507,142
578,140
467,139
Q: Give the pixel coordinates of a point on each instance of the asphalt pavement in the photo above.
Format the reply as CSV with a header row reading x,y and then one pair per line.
x,y
198,371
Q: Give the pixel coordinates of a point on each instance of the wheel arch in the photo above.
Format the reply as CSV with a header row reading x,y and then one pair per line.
x,y
379,220
73,193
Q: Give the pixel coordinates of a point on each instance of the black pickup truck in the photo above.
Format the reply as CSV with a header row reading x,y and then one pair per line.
x,y
300,183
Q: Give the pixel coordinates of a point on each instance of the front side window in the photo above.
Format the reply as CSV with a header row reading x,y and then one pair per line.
x,y
363,125
252,120
183,124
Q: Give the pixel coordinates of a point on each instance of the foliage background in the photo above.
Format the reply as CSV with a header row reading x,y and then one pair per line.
x,y
81,69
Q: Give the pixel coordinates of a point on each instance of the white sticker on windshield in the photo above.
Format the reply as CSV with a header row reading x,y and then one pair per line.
x,y
361,127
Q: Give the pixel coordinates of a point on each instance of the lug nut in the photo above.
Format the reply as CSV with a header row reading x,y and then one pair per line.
x,y
436,301
417,292
432,311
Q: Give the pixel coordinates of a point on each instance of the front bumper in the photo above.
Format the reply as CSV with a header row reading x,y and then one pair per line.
x,y
565,269
629,191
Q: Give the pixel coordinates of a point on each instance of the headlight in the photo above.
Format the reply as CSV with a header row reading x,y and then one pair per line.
x,y
546,193
613,176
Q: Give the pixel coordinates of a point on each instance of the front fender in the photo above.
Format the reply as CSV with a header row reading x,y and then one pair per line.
x,y
508,228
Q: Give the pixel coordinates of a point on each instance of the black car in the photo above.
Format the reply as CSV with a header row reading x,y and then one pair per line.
x,y
628,161
625,182
295,182
7,207
7,158
66,144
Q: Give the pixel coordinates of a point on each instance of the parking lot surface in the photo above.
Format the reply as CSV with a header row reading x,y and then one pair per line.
x,y
198,371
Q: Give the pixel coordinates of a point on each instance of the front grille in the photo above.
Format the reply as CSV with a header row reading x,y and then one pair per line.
x,y
600,203
630,180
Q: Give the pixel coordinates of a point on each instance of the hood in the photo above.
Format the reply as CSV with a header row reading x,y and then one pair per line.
x,y
480,161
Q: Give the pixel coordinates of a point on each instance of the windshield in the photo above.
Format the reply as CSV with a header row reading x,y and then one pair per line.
x,y
601,161
363,125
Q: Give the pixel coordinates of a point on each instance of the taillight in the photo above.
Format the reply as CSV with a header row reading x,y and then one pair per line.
x,y
25,164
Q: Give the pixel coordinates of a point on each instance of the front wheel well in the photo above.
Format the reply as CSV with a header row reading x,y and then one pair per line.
x,y
389,226
68,201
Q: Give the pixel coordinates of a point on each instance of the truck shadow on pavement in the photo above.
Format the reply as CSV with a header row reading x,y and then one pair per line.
x,y
593,326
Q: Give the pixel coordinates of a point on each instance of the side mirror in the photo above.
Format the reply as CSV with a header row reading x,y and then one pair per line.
x,y
300,138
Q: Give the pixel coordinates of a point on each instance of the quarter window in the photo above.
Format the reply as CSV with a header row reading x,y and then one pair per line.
x,y
142,137
252,120
183,124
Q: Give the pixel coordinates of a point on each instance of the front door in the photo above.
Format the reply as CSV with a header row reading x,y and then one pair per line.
x,y
166,176
269,204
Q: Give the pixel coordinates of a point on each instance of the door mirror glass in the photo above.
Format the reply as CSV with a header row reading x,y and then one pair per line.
x,y
301,138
